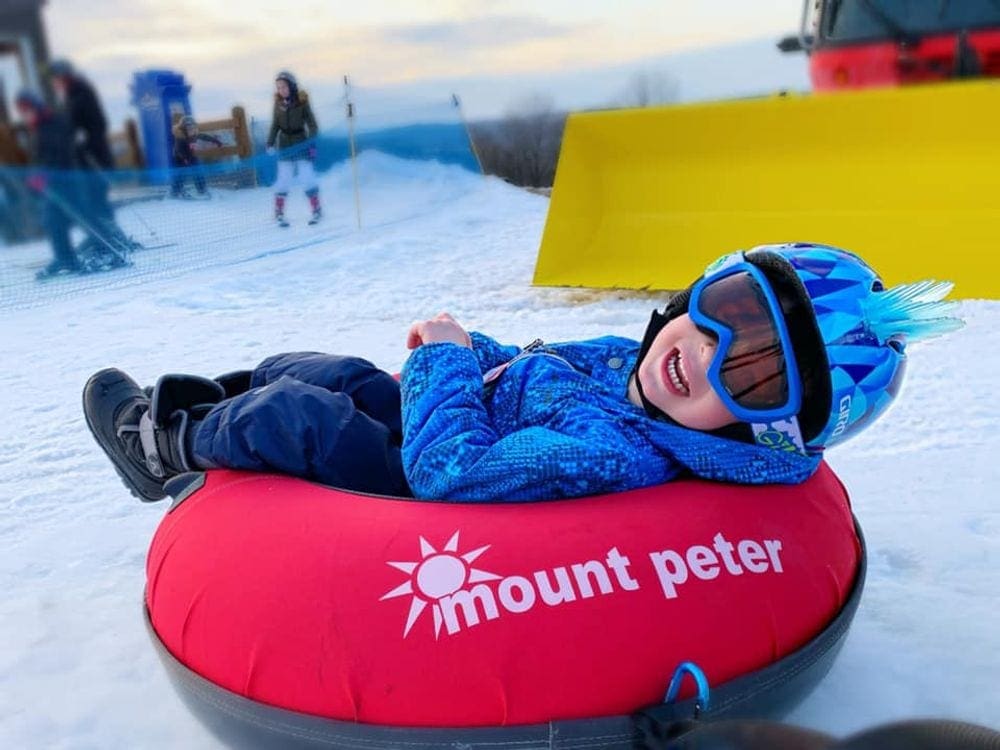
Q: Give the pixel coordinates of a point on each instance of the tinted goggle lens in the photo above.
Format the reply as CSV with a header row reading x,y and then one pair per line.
x,y
753,369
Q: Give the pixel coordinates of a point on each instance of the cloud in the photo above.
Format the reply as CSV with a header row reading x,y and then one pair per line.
x,y
232,57
477,33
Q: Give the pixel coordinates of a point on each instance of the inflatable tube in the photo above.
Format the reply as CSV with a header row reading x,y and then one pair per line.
x,y
287,609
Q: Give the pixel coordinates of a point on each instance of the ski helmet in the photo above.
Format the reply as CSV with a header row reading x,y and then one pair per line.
x,y
60,68
847,333
188,122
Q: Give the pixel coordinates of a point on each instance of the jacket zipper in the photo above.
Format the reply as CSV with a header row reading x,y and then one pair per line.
x,y
494,373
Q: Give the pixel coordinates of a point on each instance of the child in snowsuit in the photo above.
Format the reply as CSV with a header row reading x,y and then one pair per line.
x,y
747,376
293,133
186,135
52,151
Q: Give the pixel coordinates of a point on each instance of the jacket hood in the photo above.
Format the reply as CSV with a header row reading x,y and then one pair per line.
x,y
721,459
725,455
721,455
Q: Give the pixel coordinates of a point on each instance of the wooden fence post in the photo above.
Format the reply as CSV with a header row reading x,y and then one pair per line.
x,y
10,150
242,133
134,148
244,144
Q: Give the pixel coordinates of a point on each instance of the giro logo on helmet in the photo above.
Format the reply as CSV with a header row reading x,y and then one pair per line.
x,y
844,416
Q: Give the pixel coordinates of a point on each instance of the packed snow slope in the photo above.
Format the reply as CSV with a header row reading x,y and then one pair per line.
x,y
76,668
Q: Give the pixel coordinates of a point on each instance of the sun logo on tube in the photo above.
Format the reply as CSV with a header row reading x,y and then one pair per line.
x,y
437,575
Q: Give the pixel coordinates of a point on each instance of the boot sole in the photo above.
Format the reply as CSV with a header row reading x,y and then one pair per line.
x,y
102,394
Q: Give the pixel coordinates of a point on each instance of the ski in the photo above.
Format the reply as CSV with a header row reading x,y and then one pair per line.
x,y
161,246
188,197
44,277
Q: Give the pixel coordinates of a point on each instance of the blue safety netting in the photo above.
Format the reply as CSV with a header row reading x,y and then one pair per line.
x,y
130,226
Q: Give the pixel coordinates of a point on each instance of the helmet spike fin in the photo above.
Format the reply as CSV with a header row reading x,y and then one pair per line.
x,y
916,311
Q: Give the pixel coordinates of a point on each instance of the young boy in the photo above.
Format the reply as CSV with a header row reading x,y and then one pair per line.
x,y
747,376
186,135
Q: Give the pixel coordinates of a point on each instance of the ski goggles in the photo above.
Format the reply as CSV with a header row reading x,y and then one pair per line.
x,y
753,370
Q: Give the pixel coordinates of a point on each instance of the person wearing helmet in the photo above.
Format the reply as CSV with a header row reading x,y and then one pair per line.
x,y
769,358
51,178
186,161
293,136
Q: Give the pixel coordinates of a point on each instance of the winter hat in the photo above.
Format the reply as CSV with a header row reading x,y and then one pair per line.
x,y
30,99
293,84
61,67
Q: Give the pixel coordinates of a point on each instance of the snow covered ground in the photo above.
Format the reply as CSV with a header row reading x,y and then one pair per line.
x,y
76,669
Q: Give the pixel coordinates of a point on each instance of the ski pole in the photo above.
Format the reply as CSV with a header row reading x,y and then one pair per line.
x,y
354,160
457,104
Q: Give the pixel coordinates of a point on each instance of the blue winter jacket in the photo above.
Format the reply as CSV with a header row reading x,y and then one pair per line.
x,y
557,424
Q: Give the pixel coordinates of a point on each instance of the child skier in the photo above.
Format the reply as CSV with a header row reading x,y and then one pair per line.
x,y
186,135
293,134
771,357
51,147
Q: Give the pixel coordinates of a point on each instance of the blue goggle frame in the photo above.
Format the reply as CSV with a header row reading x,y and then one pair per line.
x,y
724,267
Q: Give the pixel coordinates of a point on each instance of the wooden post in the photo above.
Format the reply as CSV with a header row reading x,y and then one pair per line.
x,y
10,150
241,133
134,147
244,143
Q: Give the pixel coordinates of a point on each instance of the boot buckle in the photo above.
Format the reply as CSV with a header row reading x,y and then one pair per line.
x,y
147,438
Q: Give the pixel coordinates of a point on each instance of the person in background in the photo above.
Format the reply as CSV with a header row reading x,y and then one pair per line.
x,y
78,98
52,177
186,135
293,134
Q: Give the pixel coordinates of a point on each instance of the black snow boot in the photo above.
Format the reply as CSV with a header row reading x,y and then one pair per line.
x,y
146,436
233,383
236,382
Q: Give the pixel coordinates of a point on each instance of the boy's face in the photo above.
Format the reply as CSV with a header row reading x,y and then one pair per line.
x,y
674,376
28,114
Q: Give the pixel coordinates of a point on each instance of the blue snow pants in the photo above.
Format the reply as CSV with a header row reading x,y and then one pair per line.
x,y
327,418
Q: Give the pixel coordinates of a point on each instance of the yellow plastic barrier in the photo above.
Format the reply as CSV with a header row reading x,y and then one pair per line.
x,y
908,178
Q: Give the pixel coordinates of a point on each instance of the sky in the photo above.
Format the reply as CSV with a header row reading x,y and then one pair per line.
x,y
491,53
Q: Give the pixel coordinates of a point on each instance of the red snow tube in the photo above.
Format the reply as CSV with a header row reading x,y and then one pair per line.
x,y
420,614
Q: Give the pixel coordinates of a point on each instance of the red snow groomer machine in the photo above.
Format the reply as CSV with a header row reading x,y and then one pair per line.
x,y
856,44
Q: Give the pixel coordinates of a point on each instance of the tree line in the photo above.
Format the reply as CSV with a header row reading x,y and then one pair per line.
x,y
523,146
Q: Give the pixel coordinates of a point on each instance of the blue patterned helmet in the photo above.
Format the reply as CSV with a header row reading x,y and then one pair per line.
x,y
852,355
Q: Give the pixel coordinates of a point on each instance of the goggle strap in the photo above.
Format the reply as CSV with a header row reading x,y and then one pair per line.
x,y
782,434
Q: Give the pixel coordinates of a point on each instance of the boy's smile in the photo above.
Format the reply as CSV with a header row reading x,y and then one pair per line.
x,y
673,375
